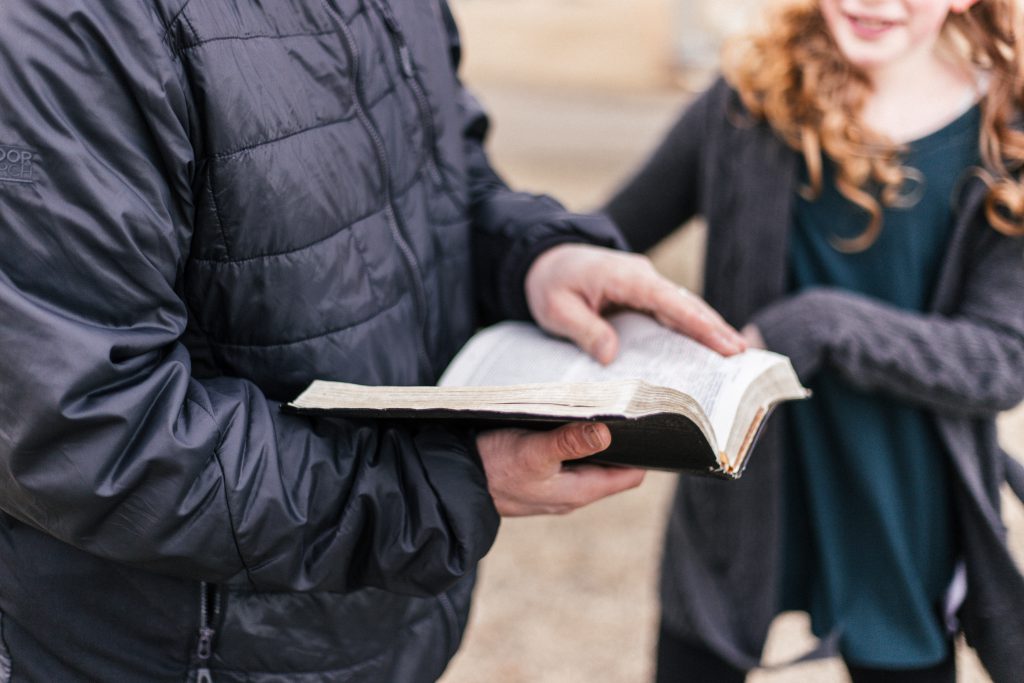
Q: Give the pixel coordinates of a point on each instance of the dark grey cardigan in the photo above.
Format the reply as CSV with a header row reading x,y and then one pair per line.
x,y
963,361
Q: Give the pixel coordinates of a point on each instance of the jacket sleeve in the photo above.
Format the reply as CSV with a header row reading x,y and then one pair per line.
x,y
510,229
665,192
968,363
106,440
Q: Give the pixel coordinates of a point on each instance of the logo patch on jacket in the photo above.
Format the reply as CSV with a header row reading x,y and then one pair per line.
x,y
16,164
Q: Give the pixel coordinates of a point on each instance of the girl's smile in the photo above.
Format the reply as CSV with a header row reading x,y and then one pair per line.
x,y
869,27
878,34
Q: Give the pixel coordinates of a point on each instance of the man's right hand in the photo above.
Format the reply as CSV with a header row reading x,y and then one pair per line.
x,y
526,476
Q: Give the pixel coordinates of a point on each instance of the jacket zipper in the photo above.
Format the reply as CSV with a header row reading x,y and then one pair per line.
x,y
209,608
394,225
412,80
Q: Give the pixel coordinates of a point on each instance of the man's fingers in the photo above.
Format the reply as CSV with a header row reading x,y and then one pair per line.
x,y
526,473
577,321
636,284
697,323
676,308
583,484
569,286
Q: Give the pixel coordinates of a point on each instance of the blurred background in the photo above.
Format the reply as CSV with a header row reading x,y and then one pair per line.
x,y
579,92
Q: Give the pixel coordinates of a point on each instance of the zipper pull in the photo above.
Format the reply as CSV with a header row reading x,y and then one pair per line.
x,y
389,17
204,650
405,58
205,646
392,24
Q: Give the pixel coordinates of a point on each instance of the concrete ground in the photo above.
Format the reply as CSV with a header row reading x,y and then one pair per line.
x,y
579,91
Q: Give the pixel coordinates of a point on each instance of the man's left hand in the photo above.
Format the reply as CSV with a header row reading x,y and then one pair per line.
x,y
569,285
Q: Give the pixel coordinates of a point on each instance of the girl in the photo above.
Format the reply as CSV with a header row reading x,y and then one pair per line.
x,y
859,171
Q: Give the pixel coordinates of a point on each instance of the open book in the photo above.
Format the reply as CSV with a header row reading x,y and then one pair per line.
x,y
670,402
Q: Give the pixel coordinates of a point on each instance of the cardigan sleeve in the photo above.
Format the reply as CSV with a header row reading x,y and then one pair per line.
x,y
665,192
511,228
968,362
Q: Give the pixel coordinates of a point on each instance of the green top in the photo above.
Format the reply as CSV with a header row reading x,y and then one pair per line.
x,y
869,538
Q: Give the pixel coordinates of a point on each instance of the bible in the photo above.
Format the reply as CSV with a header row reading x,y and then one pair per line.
x,y
670,403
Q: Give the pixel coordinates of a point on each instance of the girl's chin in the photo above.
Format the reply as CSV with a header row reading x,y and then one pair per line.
x,y
869,57
866,62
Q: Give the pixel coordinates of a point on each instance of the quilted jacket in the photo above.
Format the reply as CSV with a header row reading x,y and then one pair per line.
x,y
204,206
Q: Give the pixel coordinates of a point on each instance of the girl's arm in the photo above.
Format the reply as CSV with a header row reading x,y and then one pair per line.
x,y
510,228
665,192
968,363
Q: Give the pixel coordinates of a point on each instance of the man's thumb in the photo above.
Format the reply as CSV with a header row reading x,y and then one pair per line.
x,y
578,440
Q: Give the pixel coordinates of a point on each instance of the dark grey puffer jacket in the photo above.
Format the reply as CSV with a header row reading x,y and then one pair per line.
x,y
203,206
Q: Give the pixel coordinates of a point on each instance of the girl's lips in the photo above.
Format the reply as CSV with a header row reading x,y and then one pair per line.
x,y
869,28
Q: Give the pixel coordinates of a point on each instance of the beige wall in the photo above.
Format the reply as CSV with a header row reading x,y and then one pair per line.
x,y
593,44
624,45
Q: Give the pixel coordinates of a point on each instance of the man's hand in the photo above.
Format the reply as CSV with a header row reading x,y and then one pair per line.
x,y
525,472
569,285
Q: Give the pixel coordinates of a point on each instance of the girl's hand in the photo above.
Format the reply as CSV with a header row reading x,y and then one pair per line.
x,y
752,335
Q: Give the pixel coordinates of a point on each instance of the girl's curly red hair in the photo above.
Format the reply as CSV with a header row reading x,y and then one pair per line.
x,y
794,76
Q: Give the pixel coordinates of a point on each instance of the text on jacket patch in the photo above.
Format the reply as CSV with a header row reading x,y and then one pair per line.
x,y
15,164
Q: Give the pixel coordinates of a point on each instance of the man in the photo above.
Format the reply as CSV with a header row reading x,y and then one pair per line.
x,y
203,206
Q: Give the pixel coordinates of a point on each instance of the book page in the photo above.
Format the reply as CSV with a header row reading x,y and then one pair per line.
x,y
520,353
514,352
